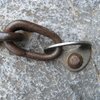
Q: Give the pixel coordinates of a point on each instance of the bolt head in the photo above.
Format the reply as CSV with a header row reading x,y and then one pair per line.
x,y
75,60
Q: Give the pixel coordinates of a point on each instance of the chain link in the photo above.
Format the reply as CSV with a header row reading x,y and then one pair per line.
x,y
12,34
9,36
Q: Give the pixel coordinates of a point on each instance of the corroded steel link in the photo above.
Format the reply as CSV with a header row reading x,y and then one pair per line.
x,y
4,36
31,27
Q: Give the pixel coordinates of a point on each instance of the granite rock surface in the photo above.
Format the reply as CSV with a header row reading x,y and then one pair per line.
x,y
26,79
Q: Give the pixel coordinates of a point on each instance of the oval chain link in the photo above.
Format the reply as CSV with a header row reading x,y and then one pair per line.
x,y
31,27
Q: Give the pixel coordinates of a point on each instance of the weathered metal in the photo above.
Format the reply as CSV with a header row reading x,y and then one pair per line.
x,y
32,27
77,58
4,36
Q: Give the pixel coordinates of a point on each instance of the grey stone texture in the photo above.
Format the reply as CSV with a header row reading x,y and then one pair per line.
x,y
27,79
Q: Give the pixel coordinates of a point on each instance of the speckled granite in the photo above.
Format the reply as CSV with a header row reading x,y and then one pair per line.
x,y
27,79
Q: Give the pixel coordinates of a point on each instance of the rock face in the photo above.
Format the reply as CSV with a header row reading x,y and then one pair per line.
x,y
27,79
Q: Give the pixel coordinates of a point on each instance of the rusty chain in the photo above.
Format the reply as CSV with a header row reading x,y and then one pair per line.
x,y
9,36
76,59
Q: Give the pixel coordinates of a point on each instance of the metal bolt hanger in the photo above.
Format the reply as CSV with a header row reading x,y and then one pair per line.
x,y
76,59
